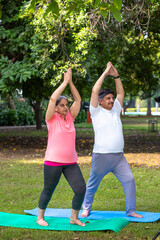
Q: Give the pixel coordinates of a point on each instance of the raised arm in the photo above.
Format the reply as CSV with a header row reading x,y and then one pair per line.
x,y
118,83
53,99
75,108
97,86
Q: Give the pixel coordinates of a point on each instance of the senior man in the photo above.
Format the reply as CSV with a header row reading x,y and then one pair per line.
x,y
108,147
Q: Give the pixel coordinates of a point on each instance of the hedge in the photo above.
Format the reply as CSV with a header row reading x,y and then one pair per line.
x,y
9,117
24,117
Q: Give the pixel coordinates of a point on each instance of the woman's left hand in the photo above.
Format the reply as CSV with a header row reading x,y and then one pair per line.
x,y
68,75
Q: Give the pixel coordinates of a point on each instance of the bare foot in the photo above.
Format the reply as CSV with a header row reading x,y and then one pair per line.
x,y
78,222
41,222
136,215
85,213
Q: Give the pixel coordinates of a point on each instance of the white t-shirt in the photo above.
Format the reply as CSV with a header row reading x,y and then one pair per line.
x,y
108,134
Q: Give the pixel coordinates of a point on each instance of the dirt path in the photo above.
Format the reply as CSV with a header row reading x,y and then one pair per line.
x,y
139,150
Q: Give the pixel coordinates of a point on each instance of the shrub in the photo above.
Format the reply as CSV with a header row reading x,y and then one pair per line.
x,y
9,117
131,110
82,117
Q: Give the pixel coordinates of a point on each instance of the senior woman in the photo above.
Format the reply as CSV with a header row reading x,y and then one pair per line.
x,y
61,157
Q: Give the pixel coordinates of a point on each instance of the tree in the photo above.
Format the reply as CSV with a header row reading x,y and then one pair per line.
x,y
140,59
39,50
96,7
39,45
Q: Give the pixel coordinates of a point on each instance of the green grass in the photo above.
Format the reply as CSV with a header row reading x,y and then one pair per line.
x,y
130,124
22,182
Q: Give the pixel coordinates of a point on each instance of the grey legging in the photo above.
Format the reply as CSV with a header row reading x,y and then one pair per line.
x,y
74,177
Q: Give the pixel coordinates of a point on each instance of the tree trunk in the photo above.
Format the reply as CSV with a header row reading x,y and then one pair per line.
x,y
148,106
126,106
38,113
11,103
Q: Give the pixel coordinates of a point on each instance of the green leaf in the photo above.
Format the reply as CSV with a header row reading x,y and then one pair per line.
x,y
104,5
116,14
117,4
70,9
96,3
11,78
104,13
32,6
52,7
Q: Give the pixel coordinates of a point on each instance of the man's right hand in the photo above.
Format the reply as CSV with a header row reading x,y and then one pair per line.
x,y
108,68
112,70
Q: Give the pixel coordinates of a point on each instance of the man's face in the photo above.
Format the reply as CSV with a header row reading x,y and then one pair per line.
x,y
107,102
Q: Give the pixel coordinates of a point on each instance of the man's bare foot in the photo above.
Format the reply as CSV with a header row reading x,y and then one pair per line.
x,y
41,222
136,215
77,222
85,213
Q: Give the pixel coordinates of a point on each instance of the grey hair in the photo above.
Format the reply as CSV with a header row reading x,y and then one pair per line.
x,y
60,98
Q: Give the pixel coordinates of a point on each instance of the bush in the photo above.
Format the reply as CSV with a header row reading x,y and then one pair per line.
x,y
9,117
143,109
131,110
82,117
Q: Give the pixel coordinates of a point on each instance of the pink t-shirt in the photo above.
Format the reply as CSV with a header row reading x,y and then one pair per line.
x,y
61,139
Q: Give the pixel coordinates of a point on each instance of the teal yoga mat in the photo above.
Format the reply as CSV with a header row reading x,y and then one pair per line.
x,y
61,224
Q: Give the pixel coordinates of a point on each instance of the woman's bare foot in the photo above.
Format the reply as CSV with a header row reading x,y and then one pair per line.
x,y
42,222
85,213
78,222
136,215
74,218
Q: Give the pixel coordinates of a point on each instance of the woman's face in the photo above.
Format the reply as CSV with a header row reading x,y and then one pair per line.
x,y
62,107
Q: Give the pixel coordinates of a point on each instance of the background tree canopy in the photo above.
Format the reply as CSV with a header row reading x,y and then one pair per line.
x,y
40,39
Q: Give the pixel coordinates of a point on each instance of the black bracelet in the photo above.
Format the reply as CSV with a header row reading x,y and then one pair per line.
x,y
117,77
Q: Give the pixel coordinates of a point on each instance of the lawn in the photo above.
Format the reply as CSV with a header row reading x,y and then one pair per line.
x,y
21,178
22,181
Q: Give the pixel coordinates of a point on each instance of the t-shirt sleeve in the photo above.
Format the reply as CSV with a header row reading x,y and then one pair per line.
x,y
117,106
93,110
49,123
70,116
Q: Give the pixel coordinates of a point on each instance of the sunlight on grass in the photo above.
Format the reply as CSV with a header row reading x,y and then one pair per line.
x,y
143,159
31,161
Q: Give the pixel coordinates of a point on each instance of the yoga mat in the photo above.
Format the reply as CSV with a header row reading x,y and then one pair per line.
x,y
61,224
66,213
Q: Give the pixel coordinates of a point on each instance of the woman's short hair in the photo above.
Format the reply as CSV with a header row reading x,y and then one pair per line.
x,y
104,92
60,98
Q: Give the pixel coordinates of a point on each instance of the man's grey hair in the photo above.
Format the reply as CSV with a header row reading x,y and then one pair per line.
x,y
104,92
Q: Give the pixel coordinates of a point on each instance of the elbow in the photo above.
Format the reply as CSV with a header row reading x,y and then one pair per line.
x,y
94,91
78,99
48,117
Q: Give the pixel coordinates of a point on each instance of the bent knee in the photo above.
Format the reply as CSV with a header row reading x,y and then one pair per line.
x,y
81,190
130,179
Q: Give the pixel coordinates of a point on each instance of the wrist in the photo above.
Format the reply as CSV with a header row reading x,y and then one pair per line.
x,y
116,77
65,82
